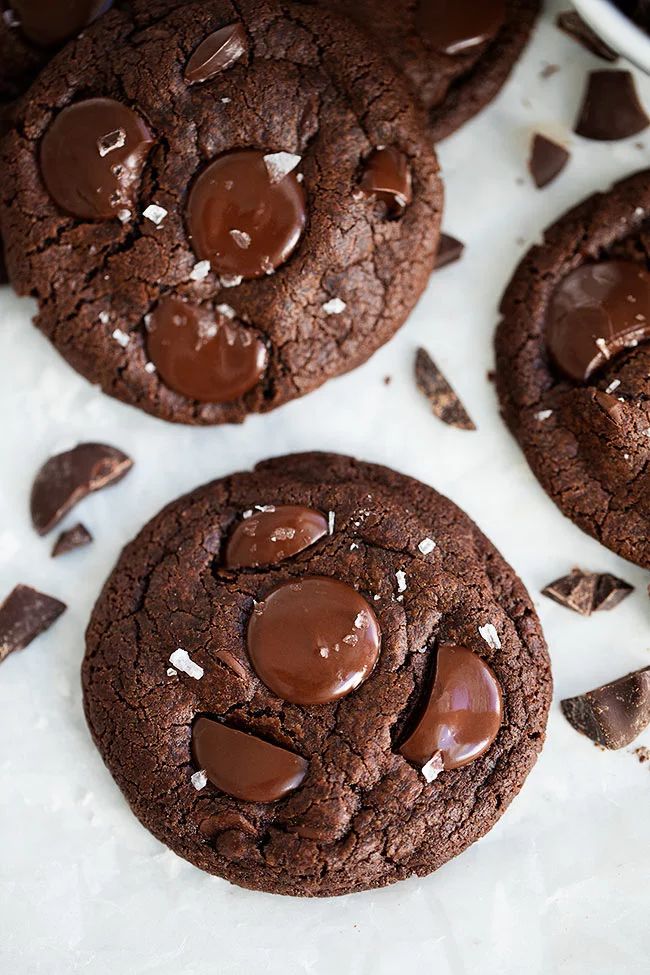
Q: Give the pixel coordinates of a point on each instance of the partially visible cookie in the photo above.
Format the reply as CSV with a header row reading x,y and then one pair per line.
x,y
573,365
316,678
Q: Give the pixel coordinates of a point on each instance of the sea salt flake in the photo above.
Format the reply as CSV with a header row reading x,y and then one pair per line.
x,y
427,546
433,768
604,348
231,280
241,238
283,534
490,635
121,337
10,18
124,215
111,141
331,519
200,271
360,621
267,509
226,101
336,306
247,514
199,780
351,639
324,652
104,317
171,672
155,213
150,368
280,164
400,575
227,311
615,383
181,660
353,546
543,415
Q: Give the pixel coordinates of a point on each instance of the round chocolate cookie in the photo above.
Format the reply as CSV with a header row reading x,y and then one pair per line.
x,y
316,678
573,365
457,54
220,211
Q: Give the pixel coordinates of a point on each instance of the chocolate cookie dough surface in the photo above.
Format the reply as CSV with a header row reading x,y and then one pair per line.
x,y
457,54
573,365
221,210
316,678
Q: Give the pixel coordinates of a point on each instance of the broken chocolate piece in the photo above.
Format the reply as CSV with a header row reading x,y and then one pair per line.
x,y
588,592
615,714
443,399
578,30
67,478
547,160
24,615
73,538
611,108
449,250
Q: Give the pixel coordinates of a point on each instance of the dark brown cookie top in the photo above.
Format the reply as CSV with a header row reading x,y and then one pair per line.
x,y
219,211
333,796
573,365
457,53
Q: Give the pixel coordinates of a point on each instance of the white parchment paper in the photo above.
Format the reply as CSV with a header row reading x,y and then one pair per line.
x,y
561,884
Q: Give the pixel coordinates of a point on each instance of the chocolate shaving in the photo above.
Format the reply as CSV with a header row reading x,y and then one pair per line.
x,y
611,108
578,30
443,399
24,615
73,538
588,592
547,160
449,250
615,714
67,478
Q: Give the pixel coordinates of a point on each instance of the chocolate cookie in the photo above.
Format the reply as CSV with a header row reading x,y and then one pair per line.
x,y
221,211
270,669
573,365
457,54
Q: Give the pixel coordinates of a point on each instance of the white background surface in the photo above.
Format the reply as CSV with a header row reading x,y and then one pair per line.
x,y
561,884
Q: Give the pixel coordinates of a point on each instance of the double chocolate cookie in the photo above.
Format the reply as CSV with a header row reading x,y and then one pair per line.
x,y
316,678
573,365
221,210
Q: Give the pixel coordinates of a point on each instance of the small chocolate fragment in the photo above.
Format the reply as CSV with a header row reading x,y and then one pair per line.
x,y
572,24
272,535
49,23
611,108
615,714
455,26
71,539
449,250
24,615
217,53
243,765
443,399
67,478
387,178
547,160
588,592
610,405
643,754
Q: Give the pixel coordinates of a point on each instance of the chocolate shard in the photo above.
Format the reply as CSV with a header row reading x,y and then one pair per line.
x,y
611,108
443,399
572,24
449,250
68,477
588,592
615,714
73,538
547,160
24,615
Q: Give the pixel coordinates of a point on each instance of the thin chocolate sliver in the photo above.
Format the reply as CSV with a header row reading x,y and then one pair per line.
x,y
69,540
67,478
24,615
578,30
611,109
615,714
547,160
449,250
443,399
588,592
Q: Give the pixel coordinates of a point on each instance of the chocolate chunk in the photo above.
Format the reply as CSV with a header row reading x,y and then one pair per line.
x,y
443,399
387,178
547,160
71,539
611,108
449,250
597,312
247,212
67,478
207,357
588,592
24,615
572,24
49,23
463,714
244,766
217,53
274,534
615,714
455,26
313,640
92,157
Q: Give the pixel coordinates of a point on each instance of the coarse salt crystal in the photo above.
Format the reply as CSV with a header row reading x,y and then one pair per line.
x,y
181,660
171,672
615,383
331,519
150,368
433,768
199,780
111,141
241,238
156,214
543,415
121,337
280,164
104,317
200,271
336,306
427,546
490,635
231,280
227,311
400,575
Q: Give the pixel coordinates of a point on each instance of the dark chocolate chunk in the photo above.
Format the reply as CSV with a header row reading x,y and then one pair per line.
x,y
49,23
547,160
572,24
443,399
615,714
387,177
217,53
611,108
24,615
67,478
449,250
588,592
273,534
454,27
69,540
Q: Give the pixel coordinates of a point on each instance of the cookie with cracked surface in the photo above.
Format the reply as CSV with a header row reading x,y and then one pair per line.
x,y
240,203
573,365
457,54
319,613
